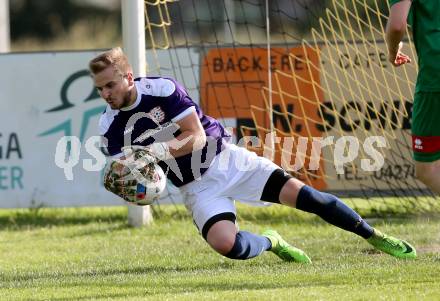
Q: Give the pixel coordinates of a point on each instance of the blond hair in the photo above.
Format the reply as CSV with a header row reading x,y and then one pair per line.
x,y
114,57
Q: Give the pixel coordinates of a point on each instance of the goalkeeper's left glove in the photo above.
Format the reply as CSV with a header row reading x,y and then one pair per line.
x,y
158,151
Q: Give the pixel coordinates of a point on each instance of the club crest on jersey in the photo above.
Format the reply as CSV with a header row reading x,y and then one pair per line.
x,y
157,115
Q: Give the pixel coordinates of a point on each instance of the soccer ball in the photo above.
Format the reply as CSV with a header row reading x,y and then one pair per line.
x,y
150,186
137,179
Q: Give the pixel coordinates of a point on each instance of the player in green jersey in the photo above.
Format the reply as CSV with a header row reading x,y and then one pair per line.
x,y
424,18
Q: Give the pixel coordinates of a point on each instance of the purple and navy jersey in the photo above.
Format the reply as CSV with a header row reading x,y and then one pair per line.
x,y
160,103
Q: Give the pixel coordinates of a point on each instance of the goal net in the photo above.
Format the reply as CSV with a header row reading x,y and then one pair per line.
x,y
309,79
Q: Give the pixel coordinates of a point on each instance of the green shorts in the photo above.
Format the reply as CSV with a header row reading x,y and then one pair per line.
x,y
425,126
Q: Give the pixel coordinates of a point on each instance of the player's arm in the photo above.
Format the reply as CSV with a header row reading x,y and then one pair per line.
x,y
192,137
395,30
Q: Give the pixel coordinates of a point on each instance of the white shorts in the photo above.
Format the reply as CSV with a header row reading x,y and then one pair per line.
x,y
234,174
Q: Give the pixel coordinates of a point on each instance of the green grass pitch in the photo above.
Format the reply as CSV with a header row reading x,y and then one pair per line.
x,y
91,254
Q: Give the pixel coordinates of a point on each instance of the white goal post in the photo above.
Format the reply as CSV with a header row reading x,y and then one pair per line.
x,y
133,35
4,26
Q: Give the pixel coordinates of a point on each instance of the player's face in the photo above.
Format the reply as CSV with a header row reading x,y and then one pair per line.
x,y
114,88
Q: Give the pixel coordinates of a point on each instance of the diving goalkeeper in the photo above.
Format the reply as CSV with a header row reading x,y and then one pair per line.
x,y
211,188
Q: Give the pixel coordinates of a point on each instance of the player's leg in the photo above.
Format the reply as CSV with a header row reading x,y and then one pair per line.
x,y
214,212
282,188
221,236
215,217
429,174
294,193
224,238
425,130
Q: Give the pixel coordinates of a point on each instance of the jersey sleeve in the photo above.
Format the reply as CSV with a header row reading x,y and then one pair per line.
x,y
178,104
108,145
